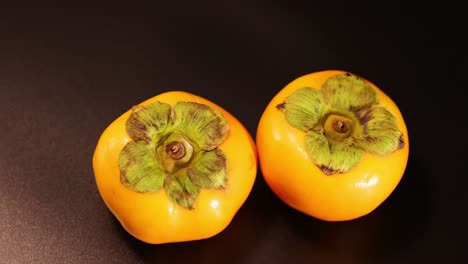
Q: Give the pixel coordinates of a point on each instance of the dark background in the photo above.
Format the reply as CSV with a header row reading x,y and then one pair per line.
x,y
66,73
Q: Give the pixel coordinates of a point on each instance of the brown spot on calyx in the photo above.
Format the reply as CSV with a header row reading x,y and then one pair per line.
x,y
137,130
123,179
192,113
281,106
172,115
140,126
137,108
401,142
370,139
167,180
328,170
363,114
131,159
175,150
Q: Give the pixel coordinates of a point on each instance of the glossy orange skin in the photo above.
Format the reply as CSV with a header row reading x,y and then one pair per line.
x,y
153,218
298,182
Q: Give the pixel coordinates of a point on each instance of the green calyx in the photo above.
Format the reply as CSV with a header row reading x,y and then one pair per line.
x,y
342,121
176,149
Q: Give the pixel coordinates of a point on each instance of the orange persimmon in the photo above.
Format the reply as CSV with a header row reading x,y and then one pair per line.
x,y
176,167
332,145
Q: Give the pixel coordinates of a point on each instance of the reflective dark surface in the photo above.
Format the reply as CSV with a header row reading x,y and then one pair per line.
x,y
65,74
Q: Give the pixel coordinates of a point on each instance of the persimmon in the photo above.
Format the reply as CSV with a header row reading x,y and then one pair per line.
x,y
176,167
332,145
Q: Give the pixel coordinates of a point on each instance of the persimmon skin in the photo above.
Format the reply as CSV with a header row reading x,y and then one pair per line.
x,y
298,182
154,218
